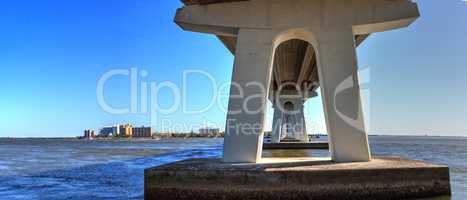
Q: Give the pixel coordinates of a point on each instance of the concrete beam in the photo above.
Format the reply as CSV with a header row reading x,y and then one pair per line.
x,y
384,15
307,64
364,16
229,42
360,38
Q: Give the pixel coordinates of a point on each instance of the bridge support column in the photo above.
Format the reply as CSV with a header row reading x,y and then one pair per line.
x,y
289,120
251,78
340,91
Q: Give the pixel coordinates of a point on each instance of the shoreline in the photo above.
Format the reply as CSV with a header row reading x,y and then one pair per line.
x,y
102,138
183,136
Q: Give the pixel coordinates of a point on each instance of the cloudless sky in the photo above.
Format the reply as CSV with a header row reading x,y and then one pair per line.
x,y
52,54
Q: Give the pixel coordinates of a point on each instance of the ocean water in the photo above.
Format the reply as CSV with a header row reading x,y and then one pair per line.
x,y
79,169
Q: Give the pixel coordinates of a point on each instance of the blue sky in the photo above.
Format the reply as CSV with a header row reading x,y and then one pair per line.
x,y
52,54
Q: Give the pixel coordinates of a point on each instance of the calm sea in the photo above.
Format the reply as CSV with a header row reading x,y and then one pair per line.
x,y
79,169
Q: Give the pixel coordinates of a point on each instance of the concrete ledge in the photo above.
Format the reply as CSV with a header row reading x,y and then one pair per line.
x,y
296,145
382,178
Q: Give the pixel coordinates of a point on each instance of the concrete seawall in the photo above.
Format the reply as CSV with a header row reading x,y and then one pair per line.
x,y
382,178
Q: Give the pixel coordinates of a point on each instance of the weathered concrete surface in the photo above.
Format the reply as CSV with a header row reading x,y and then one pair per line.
x,y
382,178
296,145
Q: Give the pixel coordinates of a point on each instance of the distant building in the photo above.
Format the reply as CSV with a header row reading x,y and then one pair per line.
x,y
89,134
207,131
108,131
126,130
142,132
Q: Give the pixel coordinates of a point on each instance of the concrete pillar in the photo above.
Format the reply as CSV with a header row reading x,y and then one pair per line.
x,y
337,67
248,96
276,125
284,117
300,133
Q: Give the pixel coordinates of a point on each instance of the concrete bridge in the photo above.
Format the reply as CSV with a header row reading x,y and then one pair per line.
x,y
288,49
292,48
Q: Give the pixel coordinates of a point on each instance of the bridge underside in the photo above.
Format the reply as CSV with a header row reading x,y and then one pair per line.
x,y
294,69
294,62
269,39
